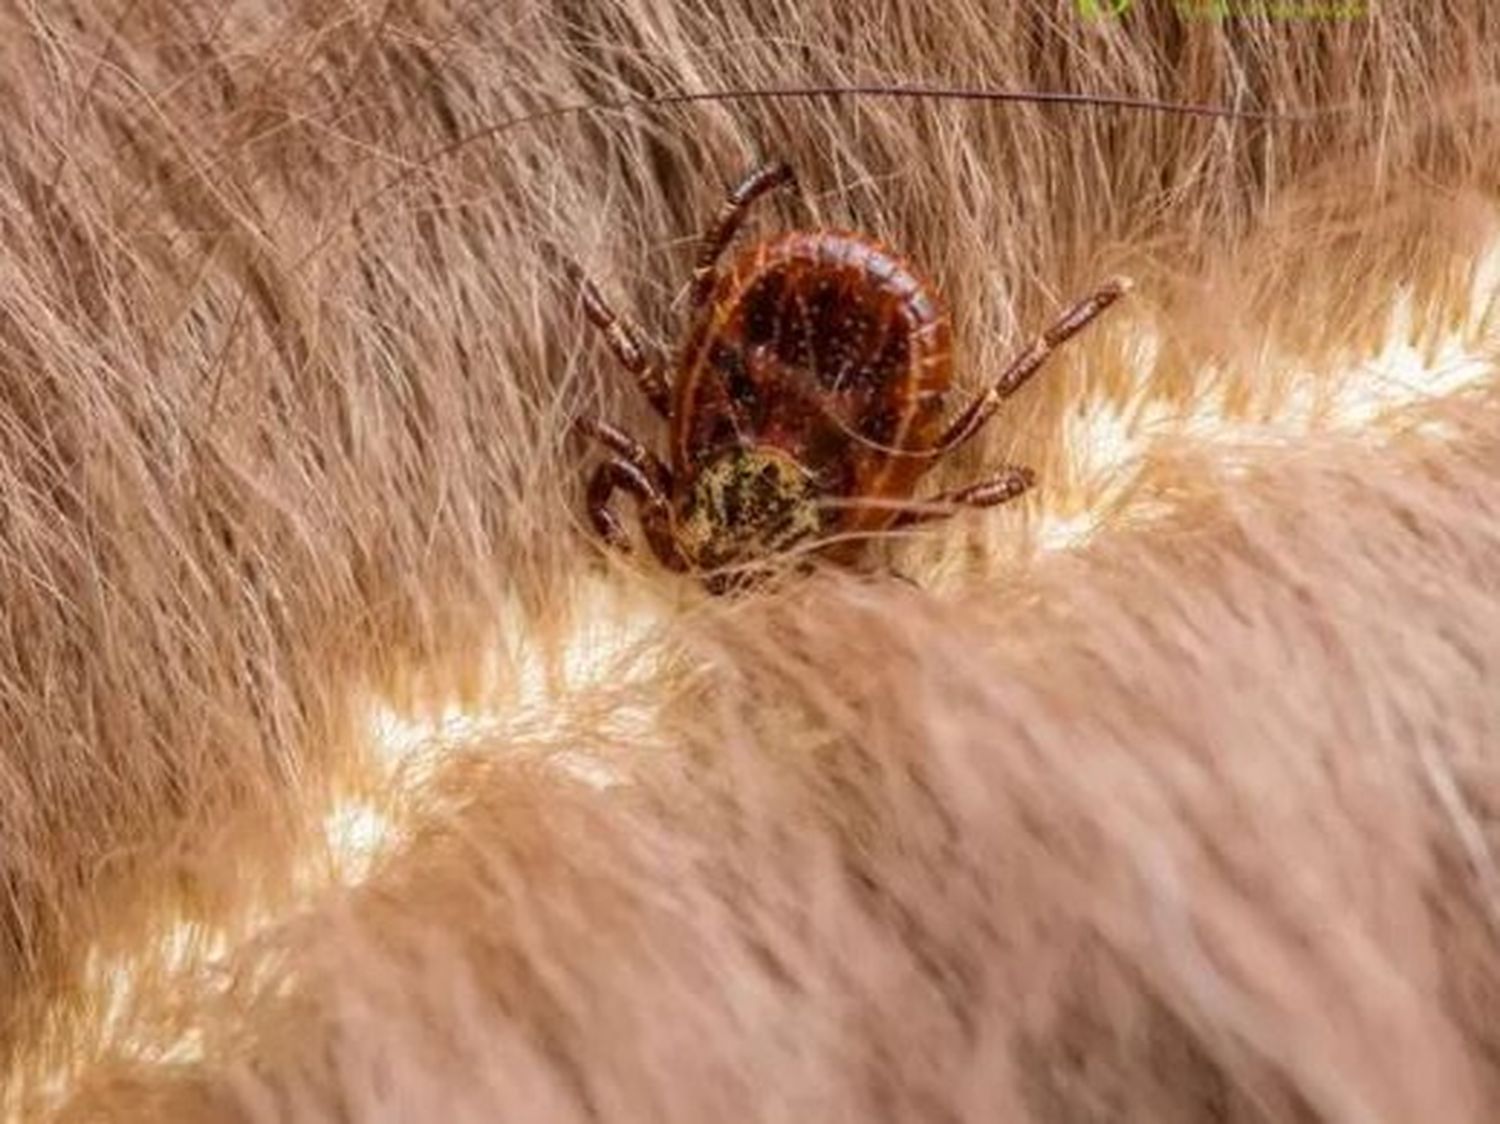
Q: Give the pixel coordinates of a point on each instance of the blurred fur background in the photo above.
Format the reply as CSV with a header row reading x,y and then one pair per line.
x,y
344,778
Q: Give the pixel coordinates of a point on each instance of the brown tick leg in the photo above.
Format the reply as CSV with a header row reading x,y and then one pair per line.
x,y
628,449
624,340
1077,318
617,474
607,476
1012,482
731,215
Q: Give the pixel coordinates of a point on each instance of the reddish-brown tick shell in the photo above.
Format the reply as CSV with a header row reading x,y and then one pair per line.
x,y
829,347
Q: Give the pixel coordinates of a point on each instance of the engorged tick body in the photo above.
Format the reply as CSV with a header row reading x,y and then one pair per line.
x,y
807,402
821,354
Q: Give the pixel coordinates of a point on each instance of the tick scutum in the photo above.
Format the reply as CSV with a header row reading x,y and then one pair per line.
x,y
746,505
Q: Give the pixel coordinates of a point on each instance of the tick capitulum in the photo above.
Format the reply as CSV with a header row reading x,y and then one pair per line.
x,y
805,404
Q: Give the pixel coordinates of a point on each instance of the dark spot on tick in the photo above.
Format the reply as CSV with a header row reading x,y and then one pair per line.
x,y
730,362
723,431
763,308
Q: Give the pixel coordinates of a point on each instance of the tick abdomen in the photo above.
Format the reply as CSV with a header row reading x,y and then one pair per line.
x,y
824,344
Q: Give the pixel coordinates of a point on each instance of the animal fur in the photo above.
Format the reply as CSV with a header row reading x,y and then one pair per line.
x,y
1188,816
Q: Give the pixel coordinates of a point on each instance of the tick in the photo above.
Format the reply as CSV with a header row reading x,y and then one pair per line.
x,y
804,405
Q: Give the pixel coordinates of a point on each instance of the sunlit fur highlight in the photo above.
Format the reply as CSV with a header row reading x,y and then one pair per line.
x,y
1186,816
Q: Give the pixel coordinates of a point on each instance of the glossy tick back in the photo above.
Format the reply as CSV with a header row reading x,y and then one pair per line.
x,y
805,404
